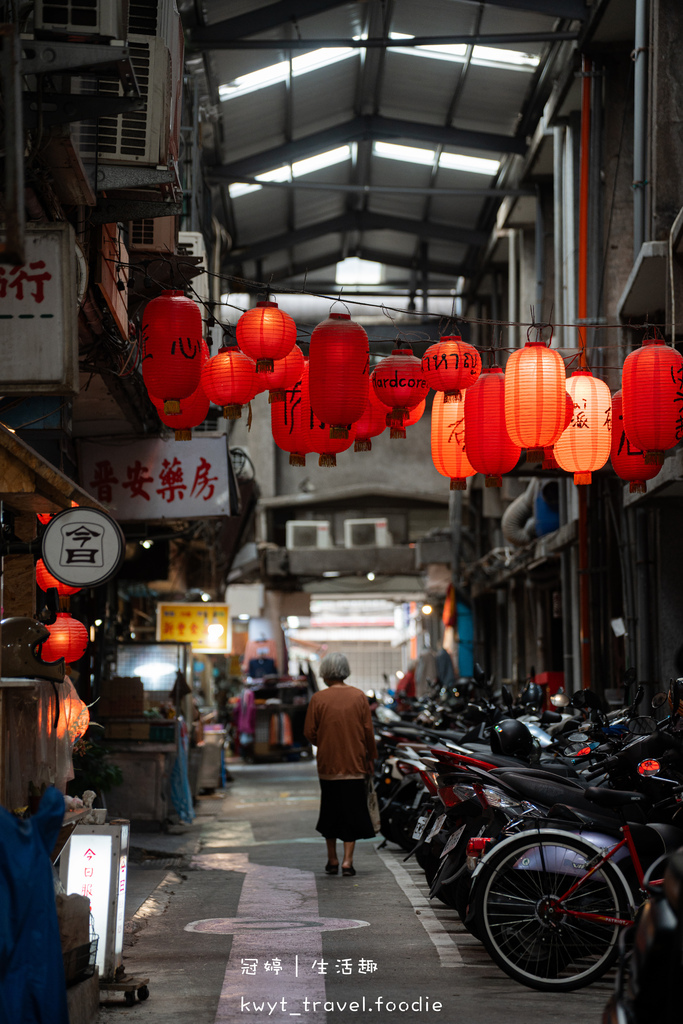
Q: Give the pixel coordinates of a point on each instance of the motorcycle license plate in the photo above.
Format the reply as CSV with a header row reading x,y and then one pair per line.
x,y
420,826
436,827
452,841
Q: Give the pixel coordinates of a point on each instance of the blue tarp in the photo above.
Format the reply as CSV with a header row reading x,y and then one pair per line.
x,y
32,986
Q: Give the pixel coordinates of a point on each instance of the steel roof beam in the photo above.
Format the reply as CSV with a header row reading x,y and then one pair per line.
x,y
390,259
377,43
285,12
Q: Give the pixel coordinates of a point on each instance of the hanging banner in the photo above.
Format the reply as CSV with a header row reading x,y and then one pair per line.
x,y
159,479
205,625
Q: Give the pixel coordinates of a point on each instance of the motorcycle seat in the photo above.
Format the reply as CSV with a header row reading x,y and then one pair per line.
x,y
613,797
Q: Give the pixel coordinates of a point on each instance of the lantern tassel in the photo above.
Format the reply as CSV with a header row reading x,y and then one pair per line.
x,y
327,460
183,435
277,395
494,480
297,460
65,602
362,445
249,417
654,458
534,455
458,483
171,406
397,432
232,412
637,487
451,396
581,479
339,433
264,366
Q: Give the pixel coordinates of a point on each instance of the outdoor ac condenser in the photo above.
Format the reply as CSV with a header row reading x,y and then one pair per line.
x,y
191,243
307,533
154,234
366,533
105,19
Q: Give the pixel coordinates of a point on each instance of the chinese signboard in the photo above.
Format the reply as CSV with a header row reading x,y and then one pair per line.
x,y
83,547
38,314
90,866
159,479
205,626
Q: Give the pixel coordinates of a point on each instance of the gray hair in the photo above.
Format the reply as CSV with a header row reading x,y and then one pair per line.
x,y
335,666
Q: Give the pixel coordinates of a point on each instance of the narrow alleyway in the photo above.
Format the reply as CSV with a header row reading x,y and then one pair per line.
x,y
243,891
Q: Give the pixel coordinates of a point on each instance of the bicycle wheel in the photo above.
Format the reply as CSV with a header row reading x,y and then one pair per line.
x,y
534,941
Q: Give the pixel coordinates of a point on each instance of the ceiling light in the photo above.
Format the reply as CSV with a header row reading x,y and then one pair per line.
x,y
330,574
371,576
426,609
244,616
215,631
314,60
146,544
98,622
400,675
205,596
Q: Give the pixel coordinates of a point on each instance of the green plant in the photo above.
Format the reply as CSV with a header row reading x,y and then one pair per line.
x,y
93,768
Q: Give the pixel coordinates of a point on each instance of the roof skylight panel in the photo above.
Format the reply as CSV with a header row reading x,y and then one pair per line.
x,y
485,56
314,60
450,161
298,169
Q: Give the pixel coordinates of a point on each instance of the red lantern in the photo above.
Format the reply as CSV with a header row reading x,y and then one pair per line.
x,y
585,445
339,360
489,447
45,580
448,441
326,446
371,424
171,348
228,379
399,383
68,639
628,462
291,422
652,393
284,375
193,411
44,517
549,460
265,333
451,365
414,415
535,400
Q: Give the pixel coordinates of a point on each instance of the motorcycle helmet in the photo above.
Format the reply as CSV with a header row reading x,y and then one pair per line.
x,y
532,695
512,738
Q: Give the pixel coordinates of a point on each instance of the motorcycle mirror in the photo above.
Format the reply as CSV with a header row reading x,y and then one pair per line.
x,y
659,700
648,767
506,695
559,700
642,726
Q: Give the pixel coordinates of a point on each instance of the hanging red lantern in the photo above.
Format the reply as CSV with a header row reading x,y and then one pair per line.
x,y
45,580
585,445
448,441
371,424
451,365
652,398
291,422
339,361
414,415
549,460
228,379
265,333
489,447
171,348
400,384
535,400
68,639
628,462
193,411
327,447
44,517
284,375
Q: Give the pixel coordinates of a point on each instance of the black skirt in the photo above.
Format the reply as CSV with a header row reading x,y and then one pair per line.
x,y
344,810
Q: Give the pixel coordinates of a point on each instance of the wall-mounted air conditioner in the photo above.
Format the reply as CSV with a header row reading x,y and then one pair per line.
x,y
307,533
105,19
191,243
154,234
366,533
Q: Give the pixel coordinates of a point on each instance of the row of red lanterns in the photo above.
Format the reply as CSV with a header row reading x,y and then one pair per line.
x,y
335,394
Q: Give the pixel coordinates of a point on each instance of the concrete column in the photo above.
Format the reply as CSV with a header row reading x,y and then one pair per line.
x,y
666,115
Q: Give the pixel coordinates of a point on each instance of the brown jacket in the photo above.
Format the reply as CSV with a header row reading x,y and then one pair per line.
x,y
339,723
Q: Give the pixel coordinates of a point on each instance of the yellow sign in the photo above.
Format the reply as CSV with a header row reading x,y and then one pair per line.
x,y
205,626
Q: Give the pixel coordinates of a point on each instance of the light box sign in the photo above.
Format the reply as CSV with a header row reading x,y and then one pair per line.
x,y
205,625
90,867
38,315
159,479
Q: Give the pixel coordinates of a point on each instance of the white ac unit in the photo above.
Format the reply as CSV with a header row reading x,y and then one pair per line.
x,y
106,19
191,243
307,533
154,234
366,533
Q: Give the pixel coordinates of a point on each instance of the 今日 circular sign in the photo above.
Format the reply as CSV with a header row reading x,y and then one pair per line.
x,y
83,547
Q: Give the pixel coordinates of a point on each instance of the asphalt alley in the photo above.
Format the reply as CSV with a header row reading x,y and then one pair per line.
x,y
235,921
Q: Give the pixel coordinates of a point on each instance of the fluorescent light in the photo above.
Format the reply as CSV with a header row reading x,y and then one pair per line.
x,y
331,574
354,270
244,616
451,161
314,60
299,168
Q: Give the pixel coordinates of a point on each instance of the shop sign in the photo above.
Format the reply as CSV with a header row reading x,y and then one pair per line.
x,y
38,315
83,547
159,479
204,625
90,865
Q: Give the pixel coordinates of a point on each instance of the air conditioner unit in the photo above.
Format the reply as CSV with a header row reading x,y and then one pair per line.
x,y
307,533
105,19
366,533
154,234
191,243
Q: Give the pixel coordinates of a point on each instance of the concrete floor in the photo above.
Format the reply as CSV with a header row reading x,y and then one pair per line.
x,y
250,895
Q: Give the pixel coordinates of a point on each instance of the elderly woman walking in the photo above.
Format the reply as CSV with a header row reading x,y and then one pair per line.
x,y
339,723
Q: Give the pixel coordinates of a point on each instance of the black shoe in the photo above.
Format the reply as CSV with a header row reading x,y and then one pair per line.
x,y
348,871
331,869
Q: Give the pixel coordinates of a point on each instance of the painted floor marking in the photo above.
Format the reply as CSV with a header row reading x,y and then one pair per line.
x,y
292,929
449,954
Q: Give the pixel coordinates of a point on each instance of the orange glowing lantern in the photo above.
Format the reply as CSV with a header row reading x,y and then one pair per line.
x,y
652,398
291,422
489,447
228,379
535,400
549,460
400,384
45,580
451,365
448,441
284,375
68,639
585,445
371,424
193,411
339,362
628,462
265,333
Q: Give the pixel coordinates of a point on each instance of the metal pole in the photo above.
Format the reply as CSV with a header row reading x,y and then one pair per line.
x,y
539,245
640,126
194,205
565,582
513,306
643,595
558,221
